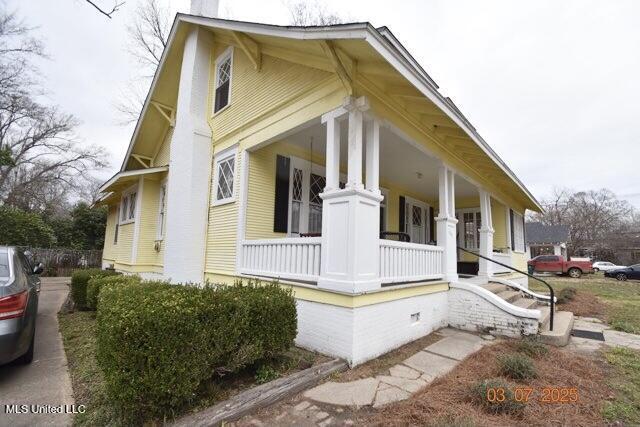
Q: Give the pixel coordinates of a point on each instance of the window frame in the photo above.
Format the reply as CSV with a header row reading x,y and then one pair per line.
x,y
461,224
162,210
518,238
224,155
227,54
126,207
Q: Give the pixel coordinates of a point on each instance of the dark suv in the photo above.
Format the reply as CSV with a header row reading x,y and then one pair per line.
x,y
19,289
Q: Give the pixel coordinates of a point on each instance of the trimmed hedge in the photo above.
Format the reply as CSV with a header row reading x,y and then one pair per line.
x,y
97,282
79,281
157,343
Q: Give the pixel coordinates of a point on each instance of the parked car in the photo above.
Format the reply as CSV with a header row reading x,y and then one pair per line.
x,y
606,266
19,290
624,273
558,265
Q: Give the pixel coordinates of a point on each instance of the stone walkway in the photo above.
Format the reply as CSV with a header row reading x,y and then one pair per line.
x,y
336,403
611,337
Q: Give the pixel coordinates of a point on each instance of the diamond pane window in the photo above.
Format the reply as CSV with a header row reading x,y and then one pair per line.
x,y
417,216
223,83
315,188
297,185
225,179
224,72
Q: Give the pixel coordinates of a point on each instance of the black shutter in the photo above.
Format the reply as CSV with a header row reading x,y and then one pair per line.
x,y
524,234
281,206
432,225
513,238
222,96
401,215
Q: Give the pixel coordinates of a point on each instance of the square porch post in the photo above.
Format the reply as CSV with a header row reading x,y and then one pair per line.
x,y
446,223
485,268
350,216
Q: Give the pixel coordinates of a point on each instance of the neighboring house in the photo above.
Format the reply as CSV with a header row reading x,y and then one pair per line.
x,y
546,239
285,153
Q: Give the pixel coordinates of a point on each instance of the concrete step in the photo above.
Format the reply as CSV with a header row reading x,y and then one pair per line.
x,y
494,287
525,303
544,319
562,325
509,296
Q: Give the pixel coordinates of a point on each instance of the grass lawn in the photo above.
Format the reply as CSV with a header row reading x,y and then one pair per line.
x,y
625,381
617,302
78,334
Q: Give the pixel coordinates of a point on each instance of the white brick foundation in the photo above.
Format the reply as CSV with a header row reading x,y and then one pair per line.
x,y
363,333
471,312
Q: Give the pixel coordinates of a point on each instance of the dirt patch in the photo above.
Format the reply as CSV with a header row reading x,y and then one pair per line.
x,y
585,304
449,401
380,364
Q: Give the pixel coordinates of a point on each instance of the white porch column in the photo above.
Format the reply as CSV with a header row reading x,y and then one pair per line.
x,y
373,156
190,170
446,222
332,163
350,218
486,268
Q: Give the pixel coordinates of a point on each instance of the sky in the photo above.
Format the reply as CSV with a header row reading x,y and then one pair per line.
x,y
553,86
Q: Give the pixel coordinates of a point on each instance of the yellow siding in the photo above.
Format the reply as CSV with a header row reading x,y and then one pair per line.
x,y
125,242
519,261
147,255
109,250
253,94
162,157
499,224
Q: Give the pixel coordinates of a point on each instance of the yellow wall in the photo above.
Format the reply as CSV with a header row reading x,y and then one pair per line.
x,y
147,235
109,250
498,215
162,157
519,260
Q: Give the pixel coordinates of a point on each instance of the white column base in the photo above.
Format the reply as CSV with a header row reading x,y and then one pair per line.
x,y
350,241
486,268
447,239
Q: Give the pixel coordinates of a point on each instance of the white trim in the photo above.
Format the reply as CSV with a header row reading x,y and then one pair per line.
x,y
495,300
125,174
125,195
227,54
461,230
137,213
425,218
242,208
220,157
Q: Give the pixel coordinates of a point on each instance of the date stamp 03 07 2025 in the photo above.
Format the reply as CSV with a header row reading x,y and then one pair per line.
x,y
558,395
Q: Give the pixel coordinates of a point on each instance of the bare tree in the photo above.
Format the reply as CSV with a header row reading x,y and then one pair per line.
x,y
40,161
311,13
106,12
149,31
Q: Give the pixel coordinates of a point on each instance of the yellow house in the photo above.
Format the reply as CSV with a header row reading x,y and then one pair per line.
x,y
324,158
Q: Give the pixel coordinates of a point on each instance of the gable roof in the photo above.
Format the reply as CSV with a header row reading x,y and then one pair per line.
x,y
385,45
538,233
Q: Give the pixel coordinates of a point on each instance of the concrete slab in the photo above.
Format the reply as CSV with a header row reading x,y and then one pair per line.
x,y
456,347
563,323
621,339
402,371
46,380
588,325
430,364
358,393
390,395
584,345
408,385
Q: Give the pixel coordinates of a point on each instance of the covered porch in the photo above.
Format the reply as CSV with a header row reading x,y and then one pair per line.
x,y
349,203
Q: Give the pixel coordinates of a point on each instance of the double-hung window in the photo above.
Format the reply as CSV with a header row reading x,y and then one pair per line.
x,y
469,230
128,206
518,232
222,95
223,176
162,206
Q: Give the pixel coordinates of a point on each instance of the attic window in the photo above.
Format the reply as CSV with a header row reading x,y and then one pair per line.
x,y
223,80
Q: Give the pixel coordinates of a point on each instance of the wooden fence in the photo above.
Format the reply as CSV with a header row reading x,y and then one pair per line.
x,y
61,262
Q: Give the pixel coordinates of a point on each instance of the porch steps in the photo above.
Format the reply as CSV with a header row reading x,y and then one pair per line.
x,y
563,320
509,296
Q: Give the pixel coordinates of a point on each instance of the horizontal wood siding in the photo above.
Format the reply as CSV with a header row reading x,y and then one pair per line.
x,y
162,158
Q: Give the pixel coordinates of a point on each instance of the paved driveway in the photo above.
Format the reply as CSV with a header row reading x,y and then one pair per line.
x,y
46,380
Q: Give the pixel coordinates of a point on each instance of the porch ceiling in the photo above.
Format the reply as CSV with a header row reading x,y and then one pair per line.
x,y
401,165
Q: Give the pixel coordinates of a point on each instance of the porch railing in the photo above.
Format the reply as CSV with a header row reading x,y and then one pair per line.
x,y
502,258
296,258
405,262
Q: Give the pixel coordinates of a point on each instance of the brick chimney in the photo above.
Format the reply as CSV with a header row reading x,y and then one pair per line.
x,y
207,8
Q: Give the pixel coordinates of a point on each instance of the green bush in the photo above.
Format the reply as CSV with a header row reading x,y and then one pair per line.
x,y
532,347
97,282
157,343
79,281
517,366
21,228
566,294
496,397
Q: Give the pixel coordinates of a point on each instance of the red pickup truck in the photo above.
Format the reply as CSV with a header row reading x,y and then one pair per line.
x,y
557,264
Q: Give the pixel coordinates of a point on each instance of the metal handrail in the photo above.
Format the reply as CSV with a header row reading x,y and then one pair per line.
x,y
551,293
